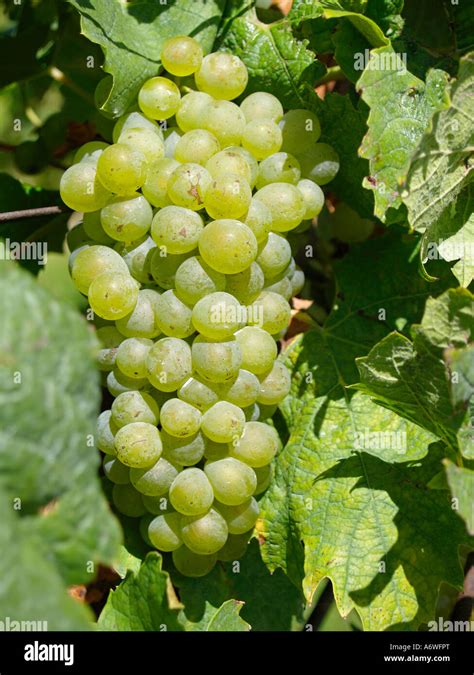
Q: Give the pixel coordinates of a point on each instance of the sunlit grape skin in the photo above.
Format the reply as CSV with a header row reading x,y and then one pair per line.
x,y
222,75
228,246
81,188
181,55
121,169
159,98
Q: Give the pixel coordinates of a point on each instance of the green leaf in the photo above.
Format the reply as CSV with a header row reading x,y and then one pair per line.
x,y
411,378
460,365
461,484
132,35
368,28
141,601
439,192
349,45
401,107
225,618
386,14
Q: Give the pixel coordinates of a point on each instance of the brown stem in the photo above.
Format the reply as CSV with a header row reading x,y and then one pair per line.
x,y
32,213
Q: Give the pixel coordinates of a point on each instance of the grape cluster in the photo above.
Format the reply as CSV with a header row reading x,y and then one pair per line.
x,y
183,256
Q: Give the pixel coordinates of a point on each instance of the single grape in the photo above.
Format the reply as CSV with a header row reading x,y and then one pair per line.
x,y
247,285
313,198
283,287
155,188
319,163
257,446
81,189
243,391
217,315
89,151
234,548
191,492
264,476
226,121
105,433
117,383
258,349
297,280
127,218
146,141
262,138
223,422
198,394
128,501
181,55
259,219
134,120
176,229
227,196
164,532
122,169
174,317
278,168
187,185
179,418
300,130
192,109
115,471
183,451
286,204
137,255
232,481
222,75
204,534
197,145
191,564
195,279
216,361
154,481
113,296
262,106
229,162
93,228
163,267
169,363
275,385
138,445
241,518
159,98
274,257
109,338
134,406
270,311
142,322
228,246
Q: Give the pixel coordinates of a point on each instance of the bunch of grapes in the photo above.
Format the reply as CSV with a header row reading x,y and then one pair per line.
x,y
183,256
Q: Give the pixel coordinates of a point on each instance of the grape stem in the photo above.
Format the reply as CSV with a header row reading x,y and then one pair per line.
x,y
32,213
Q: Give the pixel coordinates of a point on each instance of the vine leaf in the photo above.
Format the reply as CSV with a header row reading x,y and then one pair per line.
x,y
461,484
223,619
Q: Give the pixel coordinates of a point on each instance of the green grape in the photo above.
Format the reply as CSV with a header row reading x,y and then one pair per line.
x,y
229,162
146,141
247,285
227,196
264,476
117,383
159,98
271,312
241,518
105,433
138,445
234,548
266,411
183,451
173,316
204,534
138,258
198,394
179,418
155,188
191,564
243,391
226,121
134,406
197,145
115,471
169,363
155,480
93,228
81,189
163,267
213,450
283,287
262,138
257,446
142,321
228,246
217,315
134,120
156,505
249,158
275,385
181,55
252,413
222,75
216,361
319,163
300,130
187,185
278,168
223,422
77,240
286,205
130,357
195,279
259,219
191,492
262,106
113,296
171,137
122,169
90,262
258,349
127,218
164,532
109,338
176,229
128,501
275,256
313,198
232,481
348,226
192,109
297,280
89,151
143,528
